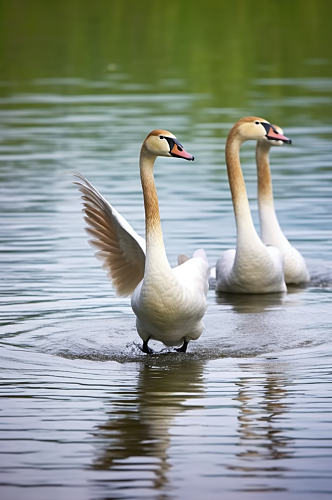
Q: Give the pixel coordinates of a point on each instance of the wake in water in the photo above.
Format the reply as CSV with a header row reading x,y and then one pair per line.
x,y
321,275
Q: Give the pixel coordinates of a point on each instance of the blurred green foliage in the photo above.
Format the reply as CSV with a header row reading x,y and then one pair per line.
x,y
209,47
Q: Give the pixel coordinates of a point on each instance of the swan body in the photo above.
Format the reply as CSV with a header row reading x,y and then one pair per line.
x,y
169,304
295,269
252,267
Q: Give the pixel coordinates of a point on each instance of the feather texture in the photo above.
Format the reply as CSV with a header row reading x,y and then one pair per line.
x,y
119,247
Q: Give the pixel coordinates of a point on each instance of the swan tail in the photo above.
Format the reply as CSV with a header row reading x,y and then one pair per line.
x,y
182,258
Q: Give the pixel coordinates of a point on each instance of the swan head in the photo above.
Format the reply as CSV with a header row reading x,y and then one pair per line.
x,y
254,128
163,143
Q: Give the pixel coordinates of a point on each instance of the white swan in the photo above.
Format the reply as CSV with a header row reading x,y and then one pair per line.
x,y
252,267
295,269
169,303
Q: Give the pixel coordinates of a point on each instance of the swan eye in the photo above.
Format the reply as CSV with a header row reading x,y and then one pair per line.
x,y
257,122
161,137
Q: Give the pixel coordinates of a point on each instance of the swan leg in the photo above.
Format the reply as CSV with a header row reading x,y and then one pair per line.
x,y
183,348
146,348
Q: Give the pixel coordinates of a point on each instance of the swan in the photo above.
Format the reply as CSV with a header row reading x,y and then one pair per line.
x,y
295,269
169,304
252,267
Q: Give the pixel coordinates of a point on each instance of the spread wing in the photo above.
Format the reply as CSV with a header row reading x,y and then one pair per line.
x,y
120,248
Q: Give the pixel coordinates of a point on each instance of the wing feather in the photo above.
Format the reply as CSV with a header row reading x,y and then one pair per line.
x,y
119,247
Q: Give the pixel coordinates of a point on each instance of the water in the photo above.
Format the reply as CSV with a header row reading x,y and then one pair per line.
x,y
246,412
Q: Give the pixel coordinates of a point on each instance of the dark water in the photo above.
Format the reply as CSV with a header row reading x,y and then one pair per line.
x,y
84,414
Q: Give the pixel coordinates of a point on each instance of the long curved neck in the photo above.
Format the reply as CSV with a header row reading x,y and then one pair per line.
x,y
265,193
270,229
155,249
245,227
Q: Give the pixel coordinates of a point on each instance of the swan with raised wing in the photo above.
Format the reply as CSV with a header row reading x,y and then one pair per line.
x,y
295,269
252,267
169,304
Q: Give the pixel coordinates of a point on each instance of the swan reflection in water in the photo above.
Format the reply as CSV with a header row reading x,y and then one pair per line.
x,y
251,303
262,393
138,444
261,430
134,441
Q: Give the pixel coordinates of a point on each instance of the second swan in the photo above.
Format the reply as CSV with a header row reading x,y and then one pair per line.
x,y
252,267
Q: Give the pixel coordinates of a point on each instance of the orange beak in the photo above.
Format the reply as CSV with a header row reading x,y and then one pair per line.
x,y
177,150
273,134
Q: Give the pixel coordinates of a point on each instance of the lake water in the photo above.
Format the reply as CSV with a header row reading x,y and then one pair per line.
x,y
246,413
